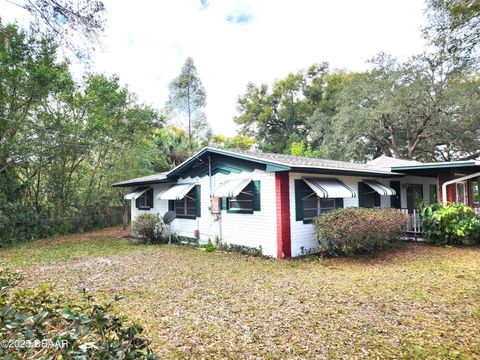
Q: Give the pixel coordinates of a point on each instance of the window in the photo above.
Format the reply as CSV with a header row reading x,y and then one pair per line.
x,y
476,192
243,201
367,197
461,193
145,201
187,206
313,205
433,194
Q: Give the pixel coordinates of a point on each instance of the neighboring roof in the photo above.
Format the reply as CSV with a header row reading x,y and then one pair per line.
x,y
144,180
387,162
281,162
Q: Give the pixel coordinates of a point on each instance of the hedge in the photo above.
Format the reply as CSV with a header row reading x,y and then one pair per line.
x,y
351,231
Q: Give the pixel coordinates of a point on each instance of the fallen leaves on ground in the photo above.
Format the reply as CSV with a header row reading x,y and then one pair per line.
x,y
415,301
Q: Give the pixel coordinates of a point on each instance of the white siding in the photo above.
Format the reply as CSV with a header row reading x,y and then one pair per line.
x,y
252,230
259,229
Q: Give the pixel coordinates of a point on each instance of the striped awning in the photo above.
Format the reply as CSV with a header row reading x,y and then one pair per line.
x,y
380,188
135,194
176,192
231,188
330,188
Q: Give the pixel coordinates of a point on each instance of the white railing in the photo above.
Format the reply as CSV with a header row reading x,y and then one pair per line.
x,y
414,224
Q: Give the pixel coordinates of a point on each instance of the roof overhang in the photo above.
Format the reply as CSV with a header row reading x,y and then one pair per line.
x,y
347,172
432,169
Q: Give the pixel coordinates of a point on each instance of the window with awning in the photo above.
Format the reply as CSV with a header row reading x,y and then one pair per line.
x,y
316,196
381,189
330,188
176,192
184,199
143,198
239,196
231,188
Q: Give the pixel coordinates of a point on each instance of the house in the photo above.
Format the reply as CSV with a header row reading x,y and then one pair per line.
x,y
268,201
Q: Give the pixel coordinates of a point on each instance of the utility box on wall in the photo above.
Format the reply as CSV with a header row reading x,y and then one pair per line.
x,y
215,208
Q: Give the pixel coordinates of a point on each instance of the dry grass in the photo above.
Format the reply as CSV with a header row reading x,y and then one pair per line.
x,y
415,301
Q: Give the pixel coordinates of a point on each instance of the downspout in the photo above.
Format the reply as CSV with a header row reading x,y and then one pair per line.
x,y
454,181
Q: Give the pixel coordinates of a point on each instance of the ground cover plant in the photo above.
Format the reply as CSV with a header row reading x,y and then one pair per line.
x,y
412,301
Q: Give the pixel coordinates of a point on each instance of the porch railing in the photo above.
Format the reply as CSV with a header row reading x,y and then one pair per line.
x,y
414,224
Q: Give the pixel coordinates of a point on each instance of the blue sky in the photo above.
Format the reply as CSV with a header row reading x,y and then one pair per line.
x,y
236,41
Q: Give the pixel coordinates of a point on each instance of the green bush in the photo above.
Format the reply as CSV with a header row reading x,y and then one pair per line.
x,y
41,323
209,247
352,231
150,228
450,224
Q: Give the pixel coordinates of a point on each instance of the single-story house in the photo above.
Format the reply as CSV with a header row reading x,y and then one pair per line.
x,y
267,201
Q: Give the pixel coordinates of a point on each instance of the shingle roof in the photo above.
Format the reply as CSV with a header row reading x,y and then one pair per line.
x,y
301,161
289,162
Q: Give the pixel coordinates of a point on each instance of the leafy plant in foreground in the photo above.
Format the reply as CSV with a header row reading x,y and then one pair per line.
x,y
42,324
451,224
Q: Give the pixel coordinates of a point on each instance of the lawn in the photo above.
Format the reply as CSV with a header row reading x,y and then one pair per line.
x,y
415,301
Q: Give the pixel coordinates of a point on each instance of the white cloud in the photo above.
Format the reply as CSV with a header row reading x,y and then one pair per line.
x,y
146,42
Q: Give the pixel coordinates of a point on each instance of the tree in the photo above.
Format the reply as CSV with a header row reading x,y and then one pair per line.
x,y
62,143
455,25
76,25
236,142
278,116
408,110
187,95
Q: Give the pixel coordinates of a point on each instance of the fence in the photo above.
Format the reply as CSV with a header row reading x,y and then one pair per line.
x,y
35,227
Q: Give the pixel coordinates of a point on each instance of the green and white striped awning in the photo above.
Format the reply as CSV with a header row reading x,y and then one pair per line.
x,y
176,192
135,194
330,188
380,188
231,188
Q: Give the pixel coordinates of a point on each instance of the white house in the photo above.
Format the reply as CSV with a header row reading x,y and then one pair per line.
x,y
267,201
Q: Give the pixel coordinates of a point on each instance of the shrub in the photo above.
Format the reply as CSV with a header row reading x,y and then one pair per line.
x,y
209,247
150,228
41,323
358,230
451,224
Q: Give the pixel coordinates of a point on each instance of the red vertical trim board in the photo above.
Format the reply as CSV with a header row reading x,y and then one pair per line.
x,y
282,195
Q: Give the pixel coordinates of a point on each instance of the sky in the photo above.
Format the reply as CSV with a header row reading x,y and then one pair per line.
x,y
234,42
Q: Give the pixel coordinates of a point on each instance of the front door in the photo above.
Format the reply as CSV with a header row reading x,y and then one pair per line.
x,y
395,199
